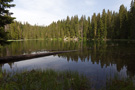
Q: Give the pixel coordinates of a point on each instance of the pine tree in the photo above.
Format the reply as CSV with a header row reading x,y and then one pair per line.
x,y
89,29
132,20
81,22
98,25
109,24
101,29
122,20
104,19
85,27
94,25
67,27
132,4
76,21
5,17
72,27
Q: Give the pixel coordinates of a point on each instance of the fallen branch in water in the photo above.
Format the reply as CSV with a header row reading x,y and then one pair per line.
x,y
30,56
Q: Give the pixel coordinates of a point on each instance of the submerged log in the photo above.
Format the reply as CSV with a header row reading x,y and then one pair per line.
x,y
30,56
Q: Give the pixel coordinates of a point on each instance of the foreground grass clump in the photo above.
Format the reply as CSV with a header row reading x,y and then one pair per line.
x,y
43,80
120,84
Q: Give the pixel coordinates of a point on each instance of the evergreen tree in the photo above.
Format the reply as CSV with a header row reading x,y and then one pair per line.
x,y
81,22
76,26
85,27
131,5
5,17
94,25
123,18
101,30
132,20
72,27
98,25
67,27
89,29
104,19
109,24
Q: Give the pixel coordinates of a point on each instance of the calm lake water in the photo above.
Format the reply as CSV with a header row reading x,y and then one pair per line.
x,y
97,60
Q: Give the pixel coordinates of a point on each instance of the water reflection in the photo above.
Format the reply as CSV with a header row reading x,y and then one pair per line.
x,y
27,47
94,59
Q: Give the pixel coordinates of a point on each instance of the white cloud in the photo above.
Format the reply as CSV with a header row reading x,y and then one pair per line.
x,y
42,12
90,2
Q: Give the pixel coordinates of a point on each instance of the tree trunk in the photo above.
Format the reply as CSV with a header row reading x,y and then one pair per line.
x,y
30,56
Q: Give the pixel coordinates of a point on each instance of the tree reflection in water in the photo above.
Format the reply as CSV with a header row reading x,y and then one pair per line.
x,y
121,53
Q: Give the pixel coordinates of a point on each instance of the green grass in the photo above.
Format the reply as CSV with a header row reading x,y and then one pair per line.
x,y
43,80
52,80
120,84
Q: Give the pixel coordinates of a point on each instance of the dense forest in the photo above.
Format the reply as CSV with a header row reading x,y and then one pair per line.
x,y
108,25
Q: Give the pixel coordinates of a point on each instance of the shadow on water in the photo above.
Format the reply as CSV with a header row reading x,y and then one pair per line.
x,y
96,59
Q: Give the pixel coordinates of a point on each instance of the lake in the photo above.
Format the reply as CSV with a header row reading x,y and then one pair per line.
x,y
97,60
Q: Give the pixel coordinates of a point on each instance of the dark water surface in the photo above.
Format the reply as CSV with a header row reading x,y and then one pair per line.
x,y
97,60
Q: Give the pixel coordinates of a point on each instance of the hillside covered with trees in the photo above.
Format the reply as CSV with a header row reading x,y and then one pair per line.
x,y
105,25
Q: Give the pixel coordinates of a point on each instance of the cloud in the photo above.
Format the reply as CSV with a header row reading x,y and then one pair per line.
x,y
42,12
90,2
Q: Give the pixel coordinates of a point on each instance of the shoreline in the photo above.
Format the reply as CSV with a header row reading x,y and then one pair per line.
x,y
71,39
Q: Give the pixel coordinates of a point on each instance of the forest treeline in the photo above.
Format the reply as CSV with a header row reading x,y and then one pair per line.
x,y
107,25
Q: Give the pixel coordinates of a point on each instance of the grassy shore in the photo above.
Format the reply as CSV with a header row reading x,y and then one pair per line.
x,y
43,80
120,84
52,80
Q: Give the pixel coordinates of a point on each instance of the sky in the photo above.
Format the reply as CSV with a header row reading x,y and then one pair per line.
x,y
44,12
